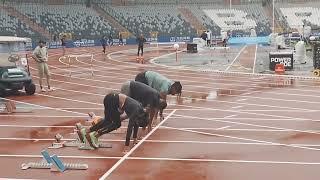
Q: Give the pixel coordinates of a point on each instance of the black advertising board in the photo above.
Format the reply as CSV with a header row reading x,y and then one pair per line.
x,y
192,48
316,56
285,58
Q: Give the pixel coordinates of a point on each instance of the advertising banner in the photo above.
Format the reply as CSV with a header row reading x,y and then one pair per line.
x,y
285,58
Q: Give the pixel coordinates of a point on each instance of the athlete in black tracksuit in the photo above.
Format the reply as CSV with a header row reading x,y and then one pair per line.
x,y
140,40
146,95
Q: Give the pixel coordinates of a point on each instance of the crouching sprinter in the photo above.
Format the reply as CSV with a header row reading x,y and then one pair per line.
x,y
147,96
114,105
160,83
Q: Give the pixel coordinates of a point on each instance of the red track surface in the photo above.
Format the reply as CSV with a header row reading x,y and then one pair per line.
x,y
224,127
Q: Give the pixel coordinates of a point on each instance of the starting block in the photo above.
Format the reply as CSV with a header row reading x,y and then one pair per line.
x,y
54,163
76,143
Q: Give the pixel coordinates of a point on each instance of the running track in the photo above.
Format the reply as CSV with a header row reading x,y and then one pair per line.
x,y
224,126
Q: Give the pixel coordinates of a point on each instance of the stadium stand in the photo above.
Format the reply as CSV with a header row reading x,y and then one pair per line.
x,y
164,17
296,16
240,18
144,19
82,22
12,26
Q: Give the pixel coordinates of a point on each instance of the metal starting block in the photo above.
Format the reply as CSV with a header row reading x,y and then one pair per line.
x,y
76,143
36,165
54,163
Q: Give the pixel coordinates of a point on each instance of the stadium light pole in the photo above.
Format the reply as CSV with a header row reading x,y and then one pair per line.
x,y
273,17
230,4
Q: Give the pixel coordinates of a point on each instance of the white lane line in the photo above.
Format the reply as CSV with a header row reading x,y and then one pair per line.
x,y
245,139
15,179
45,107
231,64
236,107
248,93
171,141
250,119
34,126
151,141
78,84
311,145
249,124
226,160
65,108
51,139
224,127
77,92
175,117
241,100
240,112
230,116
72,100
233,129
135,147
41,116
169,159
255,59
39,156
266,130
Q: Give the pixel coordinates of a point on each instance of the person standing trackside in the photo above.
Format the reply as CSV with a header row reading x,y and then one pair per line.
x,y
120,40
140,40
63,44
110,40
104,44
40,55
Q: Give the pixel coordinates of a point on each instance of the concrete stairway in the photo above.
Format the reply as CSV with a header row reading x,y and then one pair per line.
x,y
191,18
114,23
268,10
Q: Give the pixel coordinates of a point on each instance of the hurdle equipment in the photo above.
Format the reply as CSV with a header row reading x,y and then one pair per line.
x,y
76,57
176,47
54,163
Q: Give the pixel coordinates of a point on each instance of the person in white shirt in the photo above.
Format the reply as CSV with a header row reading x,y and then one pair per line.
x,y
40,55
208,38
